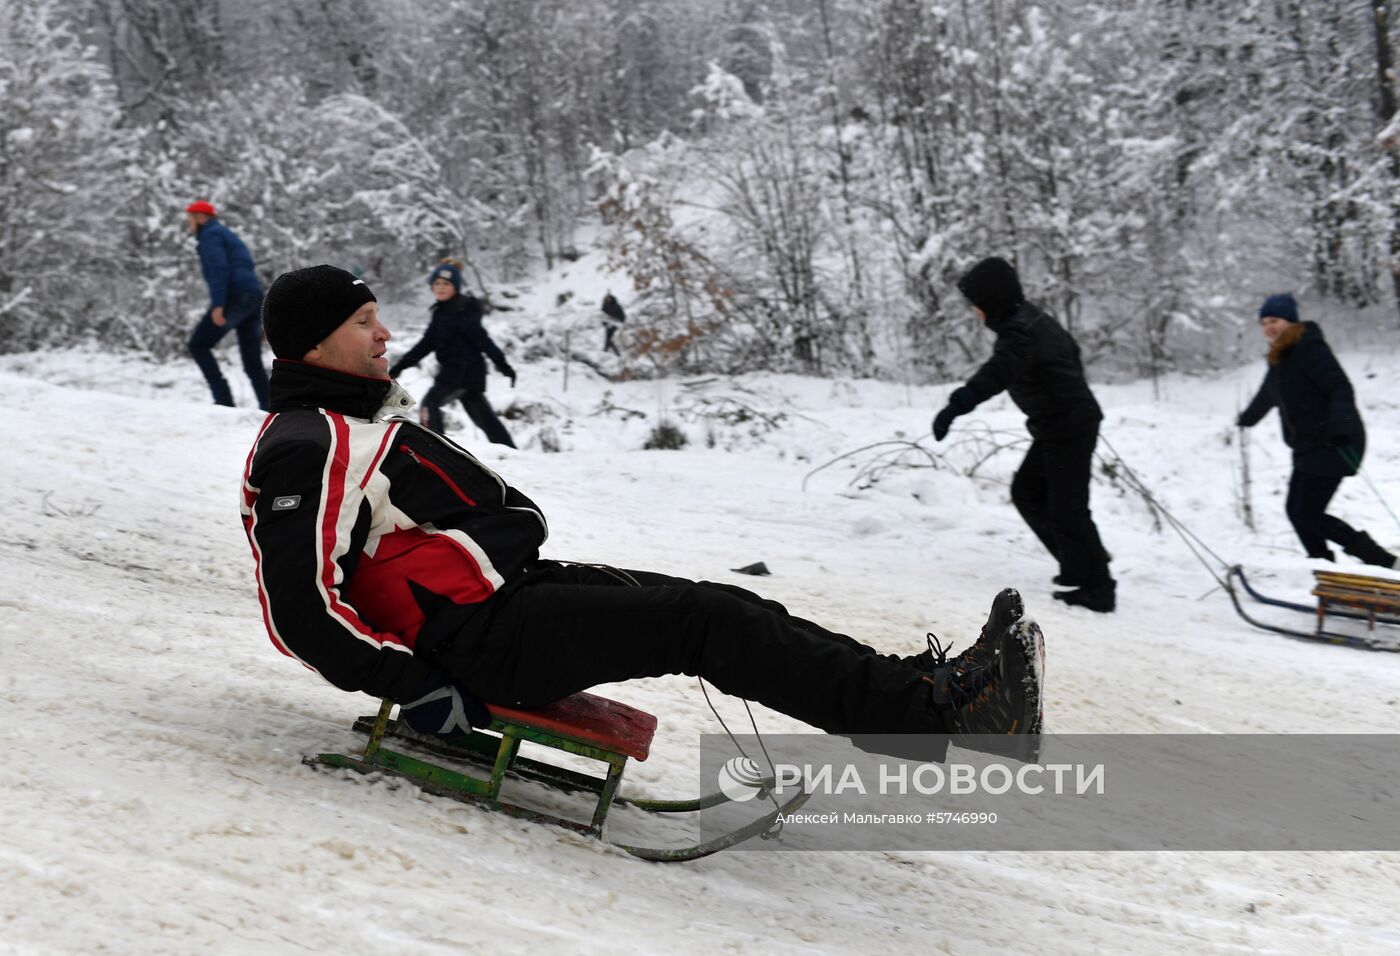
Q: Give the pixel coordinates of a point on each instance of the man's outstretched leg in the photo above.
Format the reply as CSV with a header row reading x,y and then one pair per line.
x,y
549,638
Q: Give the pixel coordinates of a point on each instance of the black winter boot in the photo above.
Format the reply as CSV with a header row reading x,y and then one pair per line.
x,y
1095,597
996,708
1364,548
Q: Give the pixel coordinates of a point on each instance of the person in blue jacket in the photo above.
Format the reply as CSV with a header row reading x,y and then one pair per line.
x,y
235,303
458,339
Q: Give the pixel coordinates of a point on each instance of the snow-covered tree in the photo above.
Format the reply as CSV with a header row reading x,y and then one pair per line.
x,y
65,176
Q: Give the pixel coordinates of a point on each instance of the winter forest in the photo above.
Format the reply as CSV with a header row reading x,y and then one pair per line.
x,y
790,185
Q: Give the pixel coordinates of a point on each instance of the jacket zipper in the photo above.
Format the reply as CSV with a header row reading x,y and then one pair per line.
x,y
437,471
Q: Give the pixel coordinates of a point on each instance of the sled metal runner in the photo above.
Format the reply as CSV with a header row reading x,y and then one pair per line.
x,y
1354,597
497,750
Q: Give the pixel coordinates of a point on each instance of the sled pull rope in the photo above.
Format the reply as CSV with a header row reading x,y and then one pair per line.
x,y
1354,461
774,831
1188,537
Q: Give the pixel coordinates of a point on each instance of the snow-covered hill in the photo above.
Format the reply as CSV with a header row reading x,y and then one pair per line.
x,y
154,800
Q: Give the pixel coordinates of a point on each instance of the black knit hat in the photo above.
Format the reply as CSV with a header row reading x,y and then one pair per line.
x,y
306,305
993,286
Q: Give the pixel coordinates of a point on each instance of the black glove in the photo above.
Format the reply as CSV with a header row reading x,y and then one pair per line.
x,y
962,401
444,707
942,422
395,369
508,372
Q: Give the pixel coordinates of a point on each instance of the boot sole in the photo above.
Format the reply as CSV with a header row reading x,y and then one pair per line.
x,y
1026,636
1020,663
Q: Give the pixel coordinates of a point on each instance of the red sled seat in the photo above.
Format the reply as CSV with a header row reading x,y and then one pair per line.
x,y
588,719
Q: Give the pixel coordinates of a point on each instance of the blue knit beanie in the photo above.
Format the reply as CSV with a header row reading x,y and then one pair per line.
x,y
1280,306
449,272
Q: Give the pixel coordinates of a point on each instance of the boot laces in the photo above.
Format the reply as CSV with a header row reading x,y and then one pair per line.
x,y
967,690
938,654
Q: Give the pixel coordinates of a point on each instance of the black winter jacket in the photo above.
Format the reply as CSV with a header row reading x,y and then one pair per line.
x,y
455,334
367,528
1316,405
1037,362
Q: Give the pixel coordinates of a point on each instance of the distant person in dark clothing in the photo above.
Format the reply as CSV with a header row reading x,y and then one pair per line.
x,y
458,339
235,303
1037,362
615,317
1317,410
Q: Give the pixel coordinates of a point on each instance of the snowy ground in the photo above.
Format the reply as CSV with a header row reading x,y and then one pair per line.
x,y
154,799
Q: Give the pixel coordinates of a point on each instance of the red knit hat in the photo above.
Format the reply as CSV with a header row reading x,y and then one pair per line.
x,y
201,206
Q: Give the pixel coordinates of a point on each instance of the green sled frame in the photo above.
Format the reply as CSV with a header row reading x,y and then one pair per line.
x,y
497,747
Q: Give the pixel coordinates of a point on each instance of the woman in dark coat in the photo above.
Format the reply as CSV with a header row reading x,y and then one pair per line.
x,y
458,339
1317,410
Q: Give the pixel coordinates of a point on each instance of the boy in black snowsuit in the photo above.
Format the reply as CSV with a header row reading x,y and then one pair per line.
x,y
458,339
1037,362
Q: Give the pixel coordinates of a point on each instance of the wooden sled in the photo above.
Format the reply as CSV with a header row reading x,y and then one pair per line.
x,y
585,725
1355,597
1377,600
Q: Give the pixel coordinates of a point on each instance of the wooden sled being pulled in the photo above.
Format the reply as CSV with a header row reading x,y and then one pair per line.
x,y
1356,597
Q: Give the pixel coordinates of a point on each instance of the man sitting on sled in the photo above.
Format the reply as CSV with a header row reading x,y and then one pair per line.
x,y
391,561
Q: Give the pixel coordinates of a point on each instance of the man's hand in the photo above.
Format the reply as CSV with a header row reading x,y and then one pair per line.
x,y
443,707
509,373
216,315
962,401
942,422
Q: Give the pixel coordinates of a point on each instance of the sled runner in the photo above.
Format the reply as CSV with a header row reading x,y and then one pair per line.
x,y
1357,597
584,724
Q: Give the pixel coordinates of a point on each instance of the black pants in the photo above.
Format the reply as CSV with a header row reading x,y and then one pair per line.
x,y
1051,490
1308,497
241,315
565,628
478,409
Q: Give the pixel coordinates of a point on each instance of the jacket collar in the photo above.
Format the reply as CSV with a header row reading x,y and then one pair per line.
x,y
454,304
297,385
1291,335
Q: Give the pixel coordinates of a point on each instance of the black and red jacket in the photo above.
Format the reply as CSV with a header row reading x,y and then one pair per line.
x,y
353,512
